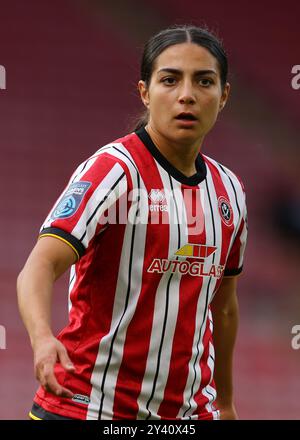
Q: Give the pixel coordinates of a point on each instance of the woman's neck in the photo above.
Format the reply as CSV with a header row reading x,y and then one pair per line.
x,y
181,156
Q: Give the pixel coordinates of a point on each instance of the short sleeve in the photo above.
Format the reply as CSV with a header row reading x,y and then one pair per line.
x,y
235,260
79,213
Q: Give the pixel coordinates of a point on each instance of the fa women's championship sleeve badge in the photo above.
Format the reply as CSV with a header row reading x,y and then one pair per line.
x,y
225,210
71,200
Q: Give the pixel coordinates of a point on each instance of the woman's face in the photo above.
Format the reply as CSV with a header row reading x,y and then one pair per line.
x,y
184,96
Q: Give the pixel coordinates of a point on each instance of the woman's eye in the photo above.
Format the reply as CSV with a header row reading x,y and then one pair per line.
x,y
205,82
169,81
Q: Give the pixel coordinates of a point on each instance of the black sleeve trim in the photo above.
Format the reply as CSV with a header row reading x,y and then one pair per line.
x,y
73,241
232,272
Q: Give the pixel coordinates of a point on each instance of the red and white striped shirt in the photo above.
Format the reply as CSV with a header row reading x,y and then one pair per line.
x,y
152,246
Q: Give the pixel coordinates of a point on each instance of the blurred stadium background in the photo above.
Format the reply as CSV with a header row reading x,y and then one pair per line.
x,y
72,69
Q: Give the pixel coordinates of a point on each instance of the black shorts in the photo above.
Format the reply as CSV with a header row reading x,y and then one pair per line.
x,y
38,413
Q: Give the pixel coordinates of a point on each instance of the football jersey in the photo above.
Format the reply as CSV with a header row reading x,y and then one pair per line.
x,y
152,248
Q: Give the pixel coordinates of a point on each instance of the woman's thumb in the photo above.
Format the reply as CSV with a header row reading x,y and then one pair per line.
x,y
65,360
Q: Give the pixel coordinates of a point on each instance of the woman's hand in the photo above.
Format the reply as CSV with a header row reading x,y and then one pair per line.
x,y
47,352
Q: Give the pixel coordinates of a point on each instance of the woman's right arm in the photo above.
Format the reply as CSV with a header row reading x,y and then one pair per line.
x,y
49,259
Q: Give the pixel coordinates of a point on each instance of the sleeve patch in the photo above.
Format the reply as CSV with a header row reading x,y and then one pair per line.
x,y
70,201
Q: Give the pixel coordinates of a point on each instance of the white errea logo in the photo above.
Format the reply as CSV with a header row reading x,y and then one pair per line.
x,y
158,200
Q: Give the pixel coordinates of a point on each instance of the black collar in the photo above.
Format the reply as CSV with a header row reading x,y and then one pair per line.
x,y
193,180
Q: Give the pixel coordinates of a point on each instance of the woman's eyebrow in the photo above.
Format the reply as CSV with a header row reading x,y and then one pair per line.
x,y
179,72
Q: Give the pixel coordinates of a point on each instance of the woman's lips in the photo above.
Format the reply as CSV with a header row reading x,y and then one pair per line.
x,y
186,120
186,116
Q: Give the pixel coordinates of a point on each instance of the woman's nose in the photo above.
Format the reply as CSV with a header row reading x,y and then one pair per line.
x,y
186,95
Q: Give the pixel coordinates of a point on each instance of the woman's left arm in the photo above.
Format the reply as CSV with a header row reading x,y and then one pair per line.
x,y
225,313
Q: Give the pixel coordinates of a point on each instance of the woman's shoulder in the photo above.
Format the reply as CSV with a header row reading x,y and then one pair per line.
x,y
225,172
109,158
112,147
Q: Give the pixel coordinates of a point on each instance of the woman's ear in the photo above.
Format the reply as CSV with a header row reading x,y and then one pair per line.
x,y
225,95
144,93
